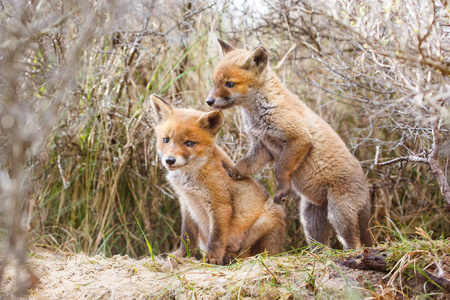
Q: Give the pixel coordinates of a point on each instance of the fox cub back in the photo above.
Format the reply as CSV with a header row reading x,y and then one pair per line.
x,y
221,217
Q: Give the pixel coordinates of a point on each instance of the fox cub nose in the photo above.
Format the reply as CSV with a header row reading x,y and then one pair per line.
x,y
170,160
210,102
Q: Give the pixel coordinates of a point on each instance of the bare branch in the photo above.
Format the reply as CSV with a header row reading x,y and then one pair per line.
x,y
403,158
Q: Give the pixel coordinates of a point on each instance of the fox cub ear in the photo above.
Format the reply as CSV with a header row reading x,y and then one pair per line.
x,y
225,47
257,59
211,121
161,109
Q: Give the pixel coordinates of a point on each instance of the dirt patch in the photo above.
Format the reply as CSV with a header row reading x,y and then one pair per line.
x,y
305,275
413,269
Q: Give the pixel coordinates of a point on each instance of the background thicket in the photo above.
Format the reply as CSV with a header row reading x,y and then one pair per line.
x,y
78,166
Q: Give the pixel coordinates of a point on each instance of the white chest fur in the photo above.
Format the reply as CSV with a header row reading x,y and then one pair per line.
x,y
257,116
193,195
260,126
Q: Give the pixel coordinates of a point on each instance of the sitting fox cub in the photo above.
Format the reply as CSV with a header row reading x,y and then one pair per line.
x,y
220,216
309,156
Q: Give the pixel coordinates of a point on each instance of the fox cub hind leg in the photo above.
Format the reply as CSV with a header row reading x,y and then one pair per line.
x,y
351,227
364,224
266,234
315,223
271,242
348,221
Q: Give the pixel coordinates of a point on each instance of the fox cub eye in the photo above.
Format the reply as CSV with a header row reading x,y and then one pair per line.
x,y
166,140
189,144
230,84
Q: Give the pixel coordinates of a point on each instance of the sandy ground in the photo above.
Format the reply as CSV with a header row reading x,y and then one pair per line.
x,y
77,276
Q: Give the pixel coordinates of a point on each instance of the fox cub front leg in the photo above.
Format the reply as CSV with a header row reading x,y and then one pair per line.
x,y
292,153
234,172
283,177
251,163
219,220
189,234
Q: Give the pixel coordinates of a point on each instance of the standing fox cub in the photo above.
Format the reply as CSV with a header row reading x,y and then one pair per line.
x,y
309,156
220,216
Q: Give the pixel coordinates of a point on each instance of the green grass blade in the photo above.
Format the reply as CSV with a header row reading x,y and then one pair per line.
x,y
150,249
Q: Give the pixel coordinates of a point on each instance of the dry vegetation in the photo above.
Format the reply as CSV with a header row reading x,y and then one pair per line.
x,y
303,275
78,167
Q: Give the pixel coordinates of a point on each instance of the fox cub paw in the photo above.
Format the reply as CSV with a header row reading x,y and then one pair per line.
x,y
179,253
232,172
210,259
281,196
230,258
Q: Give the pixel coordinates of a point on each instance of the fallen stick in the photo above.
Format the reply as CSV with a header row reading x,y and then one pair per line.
x,y
440,281
371,259
375,260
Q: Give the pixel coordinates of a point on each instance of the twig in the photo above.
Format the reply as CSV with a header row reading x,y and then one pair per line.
x,y
402,158
61,172
377,154
130,60
191,14
270,272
